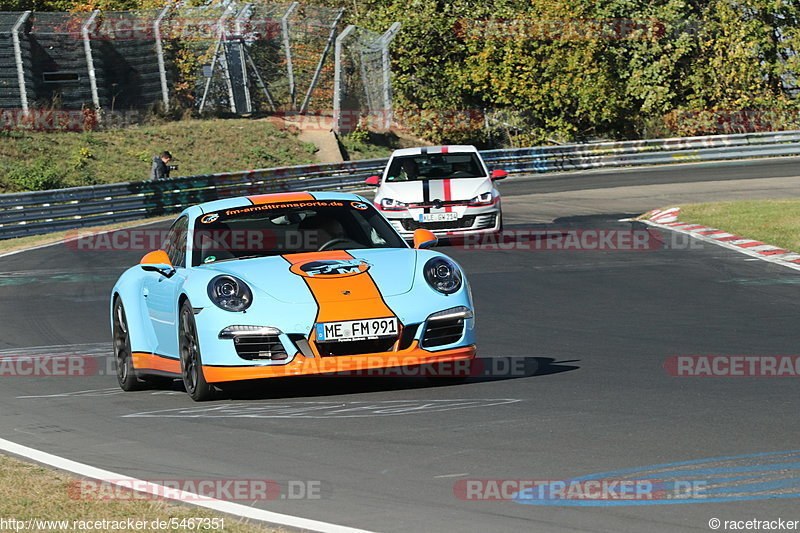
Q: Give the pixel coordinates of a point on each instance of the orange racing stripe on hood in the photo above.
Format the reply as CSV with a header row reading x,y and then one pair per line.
x,y
342,298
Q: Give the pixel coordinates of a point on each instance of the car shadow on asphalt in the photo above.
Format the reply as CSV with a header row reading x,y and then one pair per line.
x,y
550,235
480,370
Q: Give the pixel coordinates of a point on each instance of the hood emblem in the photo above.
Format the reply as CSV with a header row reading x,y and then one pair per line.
x,y
330,268
346,293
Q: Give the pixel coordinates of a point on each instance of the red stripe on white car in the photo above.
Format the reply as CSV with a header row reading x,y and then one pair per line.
x,y
448,195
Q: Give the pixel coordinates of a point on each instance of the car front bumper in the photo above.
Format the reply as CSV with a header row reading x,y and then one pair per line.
x,y
473,220
425,336
351,364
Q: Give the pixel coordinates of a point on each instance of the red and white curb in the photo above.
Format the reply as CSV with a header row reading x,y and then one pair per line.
x,y
668,219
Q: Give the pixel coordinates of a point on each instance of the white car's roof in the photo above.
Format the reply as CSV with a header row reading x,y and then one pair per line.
x,y
435,149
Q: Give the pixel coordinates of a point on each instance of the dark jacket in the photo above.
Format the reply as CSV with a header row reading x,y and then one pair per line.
x,y
159,170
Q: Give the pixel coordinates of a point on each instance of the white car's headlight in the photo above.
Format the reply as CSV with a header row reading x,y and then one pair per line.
x,y
443,275
389,204
229,293
482,199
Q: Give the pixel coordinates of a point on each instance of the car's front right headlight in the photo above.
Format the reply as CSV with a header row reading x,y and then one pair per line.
x,y
443,275
389,204
230,293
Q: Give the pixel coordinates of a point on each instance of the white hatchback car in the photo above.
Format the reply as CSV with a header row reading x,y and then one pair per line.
x,y
446,189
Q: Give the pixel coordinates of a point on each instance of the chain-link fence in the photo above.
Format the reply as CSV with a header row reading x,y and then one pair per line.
x,y
363,84
61,62
193,42
127,58
270,57
232,58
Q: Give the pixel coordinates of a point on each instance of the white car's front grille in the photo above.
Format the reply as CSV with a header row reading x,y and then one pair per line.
x,y
464,222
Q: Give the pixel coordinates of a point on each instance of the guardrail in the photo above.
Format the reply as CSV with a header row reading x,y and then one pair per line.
x,y
33,213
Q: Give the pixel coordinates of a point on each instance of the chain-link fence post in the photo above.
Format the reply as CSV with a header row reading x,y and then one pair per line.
x,y
337,78
23,91
388,107
87,47
318,71
287,50
162,71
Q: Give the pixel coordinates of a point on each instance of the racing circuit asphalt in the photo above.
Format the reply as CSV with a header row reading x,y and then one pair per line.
x,y
596,326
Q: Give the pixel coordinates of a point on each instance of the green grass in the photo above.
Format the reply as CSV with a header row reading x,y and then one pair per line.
x,y
775,222
45,160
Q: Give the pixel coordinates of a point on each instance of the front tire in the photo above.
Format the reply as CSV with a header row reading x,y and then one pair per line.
x,y
123,359
191,364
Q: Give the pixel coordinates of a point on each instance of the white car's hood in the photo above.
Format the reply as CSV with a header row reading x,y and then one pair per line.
x,y
448,189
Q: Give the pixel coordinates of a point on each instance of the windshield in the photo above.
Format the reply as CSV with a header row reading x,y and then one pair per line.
x,y
435,166
288,228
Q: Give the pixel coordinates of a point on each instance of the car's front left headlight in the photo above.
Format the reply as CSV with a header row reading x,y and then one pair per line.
x,y
443,275
230,293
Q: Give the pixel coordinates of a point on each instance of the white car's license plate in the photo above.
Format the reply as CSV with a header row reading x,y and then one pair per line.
x,y
438,217
352,330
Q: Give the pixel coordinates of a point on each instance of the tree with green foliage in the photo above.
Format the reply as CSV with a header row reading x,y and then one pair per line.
x,y
577,69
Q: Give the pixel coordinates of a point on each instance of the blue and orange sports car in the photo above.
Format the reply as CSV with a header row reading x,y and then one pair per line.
x,y
282,285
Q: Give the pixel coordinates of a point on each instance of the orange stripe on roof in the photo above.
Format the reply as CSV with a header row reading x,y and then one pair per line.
x,y
278,198
150,361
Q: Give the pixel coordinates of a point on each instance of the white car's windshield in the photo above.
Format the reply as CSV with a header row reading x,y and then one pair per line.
x,y
435,166
288,228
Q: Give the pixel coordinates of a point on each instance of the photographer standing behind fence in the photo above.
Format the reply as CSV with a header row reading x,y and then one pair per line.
x,y
161,167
